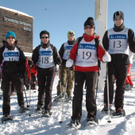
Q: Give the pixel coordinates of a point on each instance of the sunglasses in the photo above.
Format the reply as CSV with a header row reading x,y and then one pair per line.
x,y
117,19
44,37
10,37
88,27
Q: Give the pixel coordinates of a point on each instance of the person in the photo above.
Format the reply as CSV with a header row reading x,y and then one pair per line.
x,y
1,65
84,55
46,57
13,70
63,70
129,82
33,77
117,41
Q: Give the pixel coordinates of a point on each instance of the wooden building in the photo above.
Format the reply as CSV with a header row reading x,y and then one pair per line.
x,y
21,24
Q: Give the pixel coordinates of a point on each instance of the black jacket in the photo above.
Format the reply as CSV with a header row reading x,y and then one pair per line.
x,y
120,58
13,67
61,51
56,56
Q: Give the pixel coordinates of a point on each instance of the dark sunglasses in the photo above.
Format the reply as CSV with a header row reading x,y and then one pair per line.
x,y
10,37
88,27
117,19
44,37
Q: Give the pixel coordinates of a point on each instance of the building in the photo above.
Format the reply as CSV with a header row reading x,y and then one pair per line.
x,y
21,24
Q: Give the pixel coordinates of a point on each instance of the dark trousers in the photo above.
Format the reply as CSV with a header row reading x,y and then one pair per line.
x,y
33,80
7,79
45,82
90,78
116,72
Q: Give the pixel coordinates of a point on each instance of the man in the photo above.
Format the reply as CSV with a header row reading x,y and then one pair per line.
x,y
46,57
13,70
63,70
85,54
117,41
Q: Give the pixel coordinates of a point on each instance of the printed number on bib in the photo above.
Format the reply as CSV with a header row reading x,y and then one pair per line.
x,y
12,59
45,60
117,44
86,55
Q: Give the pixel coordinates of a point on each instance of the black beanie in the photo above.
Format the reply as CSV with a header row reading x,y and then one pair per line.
x,y
44,32
90,22
119,14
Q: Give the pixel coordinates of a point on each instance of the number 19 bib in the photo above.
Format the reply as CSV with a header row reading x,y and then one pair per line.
x,y
87,54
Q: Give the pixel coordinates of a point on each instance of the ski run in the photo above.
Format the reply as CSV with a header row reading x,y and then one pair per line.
x,y
32,123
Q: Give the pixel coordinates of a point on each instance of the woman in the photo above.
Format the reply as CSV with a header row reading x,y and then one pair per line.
x,y
13,70
84,55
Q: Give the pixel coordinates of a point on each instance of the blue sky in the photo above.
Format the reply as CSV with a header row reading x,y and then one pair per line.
x,y
60,16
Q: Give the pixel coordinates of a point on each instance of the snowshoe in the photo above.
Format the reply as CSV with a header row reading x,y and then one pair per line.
x,y
74,124
46,113
119,112
127,87
68,99
6,118
60,97
39,108
105,110
91,121
22,109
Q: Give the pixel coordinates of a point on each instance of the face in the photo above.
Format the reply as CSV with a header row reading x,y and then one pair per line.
x,y
118,21
44,38
10,40
71,38
89,30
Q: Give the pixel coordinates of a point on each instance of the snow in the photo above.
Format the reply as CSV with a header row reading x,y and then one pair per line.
x,y
15,11
37,125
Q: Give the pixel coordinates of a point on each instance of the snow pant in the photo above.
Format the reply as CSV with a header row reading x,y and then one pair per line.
x,y
80,78
45,83
128,78
116,72
63,76
33,80
7,79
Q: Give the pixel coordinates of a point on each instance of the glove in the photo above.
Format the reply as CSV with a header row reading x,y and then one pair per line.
x,y
69,63
106,57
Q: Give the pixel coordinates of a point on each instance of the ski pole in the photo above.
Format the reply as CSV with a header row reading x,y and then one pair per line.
x,y
25,95
107,79
64,94
30,93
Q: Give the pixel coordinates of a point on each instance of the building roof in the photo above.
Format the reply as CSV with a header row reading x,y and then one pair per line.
x,y
15,11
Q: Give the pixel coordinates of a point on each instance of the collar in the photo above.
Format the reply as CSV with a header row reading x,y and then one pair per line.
x,y
90,38
118,29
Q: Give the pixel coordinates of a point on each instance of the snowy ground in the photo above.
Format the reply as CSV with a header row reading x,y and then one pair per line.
x,y
35,125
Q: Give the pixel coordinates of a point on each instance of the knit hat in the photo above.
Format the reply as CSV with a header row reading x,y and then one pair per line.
x,y
119,14
10,33
70,33
44,32
90,22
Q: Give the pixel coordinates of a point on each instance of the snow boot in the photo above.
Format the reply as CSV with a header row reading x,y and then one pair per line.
x,y
68,99
6,118
46,113
91,121
39,108
74,124
105,109
119,112
22,109
127,87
